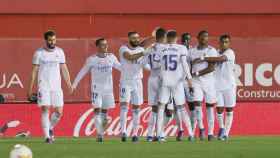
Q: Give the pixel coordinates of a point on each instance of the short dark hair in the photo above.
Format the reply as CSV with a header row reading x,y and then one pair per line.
x,y
98,41
160,33
171,34
201,33
224,36
184,36
49,33
131,33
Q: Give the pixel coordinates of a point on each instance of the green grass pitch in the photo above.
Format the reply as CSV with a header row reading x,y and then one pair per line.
x,y
236,147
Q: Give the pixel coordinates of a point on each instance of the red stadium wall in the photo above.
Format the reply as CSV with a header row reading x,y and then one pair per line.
x,y
255,31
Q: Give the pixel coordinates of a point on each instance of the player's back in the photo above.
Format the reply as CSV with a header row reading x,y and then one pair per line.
x,y
131,70
171,64
154,58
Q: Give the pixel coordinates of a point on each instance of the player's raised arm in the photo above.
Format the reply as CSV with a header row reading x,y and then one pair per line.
x,y
85,69
33,77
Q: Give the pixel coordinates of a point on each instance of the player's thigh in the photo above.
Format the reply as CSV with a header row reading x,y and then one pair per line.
x,y
125,92
230,97
179,94
197,92
57,99
220,99
96,99
137,94
209,91
153,91
164,95
44,98
108,101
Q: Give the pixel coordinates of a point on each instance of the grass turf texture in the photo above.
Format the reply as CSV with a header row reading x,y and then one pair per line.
x,y
236,147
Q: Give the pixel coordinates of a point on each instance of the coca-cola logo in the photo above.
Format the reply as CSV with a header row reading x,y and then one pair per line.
x,y
113,127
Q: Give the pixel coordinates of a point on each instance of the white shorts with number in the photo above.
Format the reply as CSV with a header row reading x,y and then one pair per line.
x,y
50,98
103,100
154,84
204,90
131,91
226,98
177,92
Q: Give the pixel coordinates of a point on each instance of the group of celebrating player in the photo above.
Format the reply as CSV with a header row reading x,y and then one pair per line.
x,y
178,73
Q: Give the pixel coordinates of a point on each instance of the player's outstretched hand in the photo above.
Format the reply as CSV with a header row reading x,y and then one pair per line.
x,y
191,90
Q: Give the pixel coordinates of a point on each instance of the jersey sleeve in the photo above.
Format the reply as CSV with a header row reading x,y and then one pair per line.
x,y
230,55
36,58
116,64
213,53
85,69
62,57
185,64
123,49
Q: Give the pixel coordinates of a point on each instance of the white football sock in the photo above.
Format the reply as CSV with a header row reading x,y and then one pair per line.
x,y
135,121
185,118
152,123
45,122
160,119
179,122
199,116
98,124
165,123
123,118
228,122
55,117
211,120
193,119
220,118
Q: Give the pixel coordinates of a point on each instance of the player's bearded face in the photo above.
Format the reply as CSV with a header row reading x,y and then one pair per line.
x,y
134,40
50,42
203,39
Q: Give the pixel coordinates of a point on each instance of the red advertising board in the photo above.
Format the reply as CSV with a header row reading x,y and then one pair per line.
x,y
77,120
257,68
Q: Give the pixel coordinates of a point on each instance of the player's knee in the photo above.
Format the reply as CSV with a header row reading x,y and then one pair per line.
x,y
191,106
197,103
104,110
97,110
124,104
135,106
220,110
44,109
229,109
210,105
155,109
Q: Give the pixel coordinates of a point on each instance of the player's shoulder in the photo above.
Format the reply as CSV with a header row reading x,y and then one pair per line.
x,y
211,48
39,50
111,55
91,58
59,49
230,50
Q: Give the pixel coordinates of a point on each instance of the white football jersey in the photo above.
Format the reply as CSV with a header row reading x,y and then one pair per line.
x,y
153,58
225,76
101,72
131,70
49,77
174,67
197,53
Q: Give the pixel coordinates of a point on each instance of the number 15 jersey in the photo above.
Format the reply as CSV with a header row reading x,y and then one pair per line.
x,y
174,67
